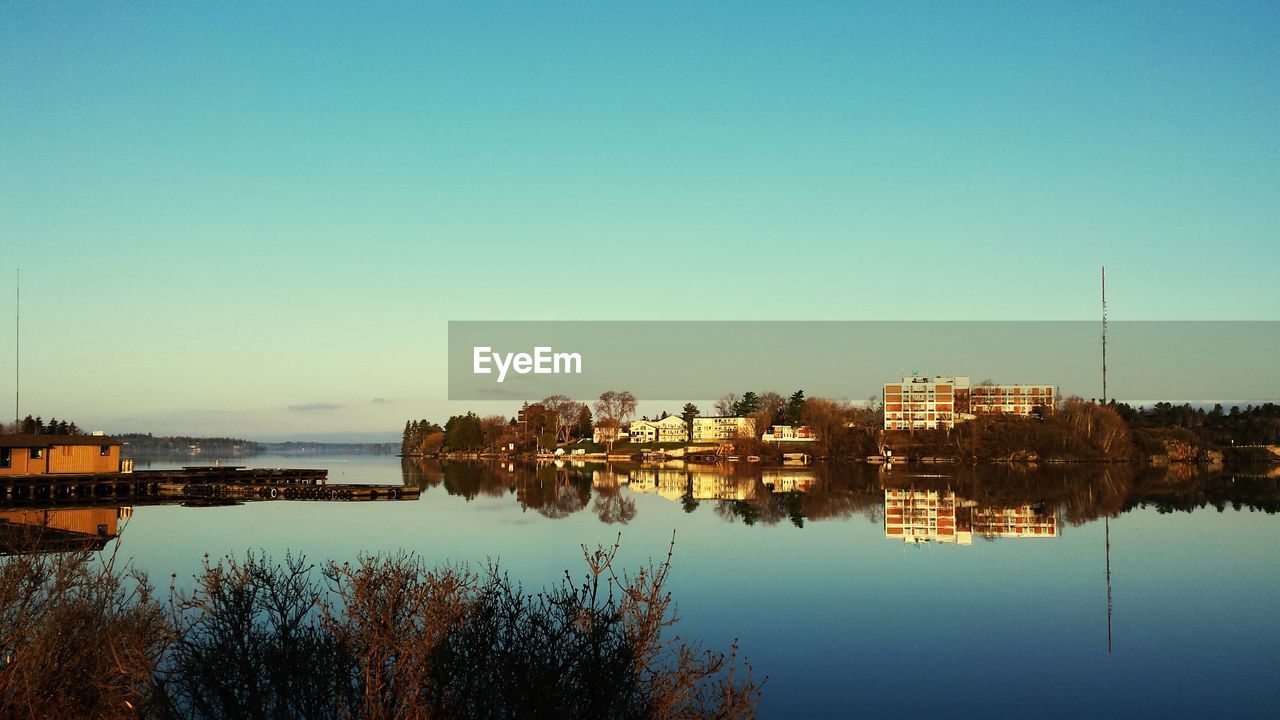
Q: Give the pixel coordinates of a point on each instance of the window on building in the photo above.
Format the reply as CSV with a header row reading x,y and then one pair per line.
x,y
105,450
6,459
37,453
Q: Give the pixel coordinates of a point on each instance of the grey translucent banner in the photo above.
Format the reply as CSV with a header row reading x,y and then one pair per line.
x,y
1193,361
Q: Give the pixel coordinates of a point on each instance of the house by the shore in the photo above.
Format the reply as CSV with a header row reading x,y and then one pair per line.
x,y
58,454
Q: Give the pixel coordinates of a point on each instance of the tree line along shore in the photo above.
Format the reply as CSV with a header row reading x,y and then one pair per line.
x,y
1074,430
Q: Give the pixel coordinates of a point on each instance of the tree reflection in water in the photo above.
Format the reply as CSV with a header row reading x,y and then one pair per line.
x,y
746,492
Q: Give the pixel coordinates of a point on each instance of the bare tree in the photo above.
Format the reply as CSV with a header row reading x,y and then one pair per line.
x,y
565,413
495,428
771,408
724,406
612,410
829,420
1098,424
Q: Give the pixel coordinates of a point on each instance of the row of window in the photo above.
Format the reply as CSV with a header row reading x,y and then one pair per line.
x,y
6,455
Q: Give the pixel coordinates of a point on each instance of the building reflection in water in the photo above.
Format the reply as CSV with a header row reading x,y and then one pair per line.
x,y
787,480
709,483
921,515
59,529
988,501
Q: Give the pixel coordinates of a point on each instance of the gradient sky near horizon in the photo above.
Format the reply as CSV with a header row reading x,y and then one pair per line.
x,y
255,219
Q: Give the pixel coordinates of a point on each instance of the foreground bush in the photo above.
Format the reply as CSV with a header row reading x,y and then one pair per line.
x,y
77,638
384,638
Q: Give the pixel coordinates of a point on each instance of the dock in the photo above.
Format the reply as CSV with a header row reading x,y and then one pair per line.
x,y
196,482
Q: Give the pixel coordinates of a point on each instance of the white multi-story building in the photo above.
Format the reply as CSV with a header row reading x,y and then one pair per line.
x,y
668,429
918,403
720,428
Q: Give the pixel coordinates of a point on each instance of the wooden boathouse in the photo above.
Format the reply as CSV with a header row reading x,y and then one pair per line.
x,y
58,454
43,468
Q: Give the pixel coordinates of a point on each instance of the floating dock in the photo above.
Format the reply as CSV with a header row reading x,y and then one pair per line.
x,y
216,481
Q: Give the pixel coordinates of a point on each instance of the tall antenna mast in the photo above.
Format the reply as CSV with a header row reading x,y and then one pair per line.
x,y
1104,334
17,346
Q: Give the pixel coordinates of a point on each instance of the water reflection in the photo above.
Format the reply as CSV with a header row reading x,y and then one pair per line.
x,y
60,529
916,516
948,504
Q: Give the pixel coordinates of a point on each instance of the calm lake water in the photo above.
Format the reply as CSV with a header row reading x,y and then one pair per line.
x,y
922,590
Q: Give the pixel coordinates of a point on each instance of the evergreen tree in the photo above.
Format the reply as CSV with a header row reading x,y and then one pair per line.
x,y
795,408
688,413
463,432
582,428
747,404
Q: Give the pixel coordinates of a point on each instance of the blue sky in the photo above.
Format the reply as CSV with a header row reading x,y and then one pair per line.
x,y
224,211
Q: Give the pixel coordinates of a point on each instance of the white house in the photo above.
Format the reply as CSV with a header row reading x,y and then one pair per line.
x,y
668,429
789,433
608,433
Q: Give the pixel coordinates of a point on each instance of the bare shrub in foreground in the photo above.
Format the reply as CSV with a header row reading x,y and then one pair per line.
x,y
385,637
78,637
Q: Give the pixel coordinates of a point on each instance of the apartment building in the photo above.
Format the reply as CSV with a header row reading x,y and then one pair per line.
x,y
721,428
1022,400
919,403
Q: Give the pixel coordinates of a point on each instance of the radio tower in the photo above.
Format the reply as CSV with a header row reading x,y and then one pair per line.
x,y
17,346
1107,520
1104,334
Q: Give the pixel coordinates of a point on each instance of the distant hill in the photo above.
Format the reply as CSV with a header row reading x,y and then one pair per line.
x,y
315,448
138,445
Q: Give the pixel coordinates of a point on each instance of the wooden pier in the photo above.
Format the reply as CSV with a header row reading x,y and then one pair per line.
x,y
225,482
